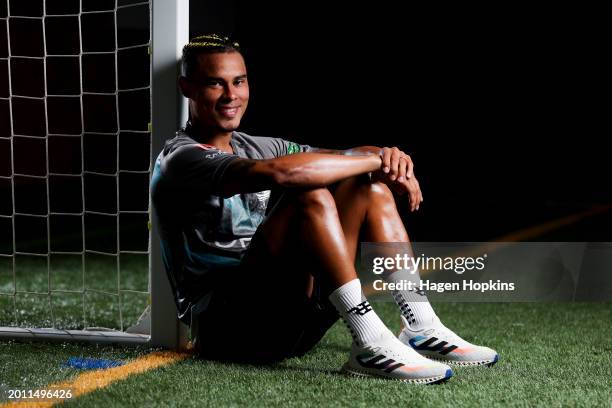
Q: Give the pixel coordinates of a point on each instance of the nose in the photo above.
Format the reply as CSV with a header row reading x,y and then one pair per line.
x,y
230,93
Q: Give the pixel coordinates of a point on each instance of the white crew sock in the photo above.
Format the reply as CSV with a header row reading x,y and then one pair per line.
x,y
358,315
413,304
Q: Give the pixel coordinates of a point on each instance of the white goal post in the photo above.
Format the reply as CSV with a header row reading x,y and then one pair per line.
x,y
170,30
158,325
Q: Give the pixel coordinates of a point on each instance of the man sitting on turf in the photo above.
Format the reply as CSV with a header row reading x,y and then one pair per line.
x,y
258,285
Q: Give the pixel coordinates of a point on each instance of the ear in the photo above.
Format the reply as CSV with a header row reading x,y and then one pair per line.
x,y
187,88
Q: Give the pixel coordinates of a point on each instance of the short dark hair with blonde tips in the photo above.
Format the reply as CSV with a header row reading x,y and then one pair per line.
x,y
204,44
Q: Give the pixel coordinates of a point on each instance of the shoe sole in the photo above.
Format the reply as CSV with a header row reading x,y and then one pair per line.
x,y
431,380
486,363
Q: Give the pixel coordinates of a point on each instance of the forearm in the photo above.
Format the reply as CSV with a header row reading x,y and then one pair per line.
x,y
355,151
318,169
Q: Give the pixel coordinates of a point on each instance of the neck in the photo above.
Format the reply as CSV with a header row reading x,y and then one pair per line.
x,y
218,138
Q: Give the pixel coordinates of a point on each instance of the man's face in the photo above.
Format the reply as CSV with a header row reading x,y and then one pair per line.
x,y
219,91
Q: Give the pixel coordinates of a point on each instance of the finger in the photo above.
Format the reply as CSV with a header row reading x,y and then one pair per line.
x,y
417,195
410,168
401,175
413,191
395,159
420,195
386,159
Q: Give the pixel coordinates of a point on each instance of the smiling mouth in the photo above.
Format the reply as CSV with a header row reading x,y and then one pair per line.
x,y
229,112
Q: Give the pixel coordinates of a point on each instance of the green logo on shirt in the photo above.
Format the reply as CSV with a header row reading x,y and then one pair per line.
x,y
293,148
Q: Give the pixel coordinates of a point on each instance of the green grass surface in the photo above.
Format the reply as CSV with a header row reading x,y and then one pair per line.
x,y
551,355
97,302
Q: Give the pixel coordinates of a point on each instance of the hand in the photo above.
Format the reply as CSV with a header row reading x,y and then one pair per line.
x,y
397,171
412,188
396,164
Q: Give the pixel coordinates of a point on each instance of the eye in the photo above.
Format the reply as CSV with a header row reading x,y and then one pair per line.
x,y
212,83
240,81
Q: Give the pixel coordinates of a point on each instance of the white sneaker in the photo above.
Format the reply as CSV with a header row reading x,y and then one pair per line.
x,y
442,344
389,358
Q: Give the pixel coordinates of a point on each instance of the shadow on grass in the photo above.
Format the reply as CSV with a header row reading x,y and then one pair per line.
x,y
334,347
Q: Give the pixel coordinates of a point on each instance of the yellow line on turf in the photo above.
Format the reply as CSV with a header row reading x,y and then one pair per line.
x,y
92,380
541,229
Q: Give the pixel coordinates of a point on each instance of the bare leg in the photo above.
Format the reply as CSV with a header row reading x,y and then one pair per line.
x,y
328,226
323,230
303,235
305,226
269,296
368,209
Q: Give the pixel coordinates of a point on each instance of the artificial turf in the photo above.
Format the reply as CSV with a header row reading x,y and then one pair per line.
x,y
552,354
70,292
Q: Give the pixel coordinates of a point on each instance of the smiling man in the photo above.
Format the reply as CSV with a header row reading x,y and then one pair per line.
x,y
258,282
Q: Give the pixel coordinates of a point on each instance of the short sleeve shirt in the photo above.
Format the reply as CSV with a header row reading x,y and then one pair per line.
x,y
201,231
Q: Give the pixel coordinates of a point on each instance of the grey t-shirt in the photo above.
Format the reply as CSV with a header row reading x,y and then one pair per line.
x,y
201,231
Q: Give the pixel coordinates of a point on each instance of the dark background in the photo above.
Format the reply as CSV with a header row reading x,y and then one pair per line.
x,y
499,107
59,138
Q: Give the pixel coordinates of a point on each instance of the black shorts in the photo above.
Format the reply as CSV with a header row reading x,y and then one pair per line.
x,y
259,313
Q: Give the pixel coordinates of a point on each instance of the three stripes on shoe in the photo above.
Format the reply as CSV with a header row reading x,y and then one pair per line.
x,y
364,307
426,345
376,362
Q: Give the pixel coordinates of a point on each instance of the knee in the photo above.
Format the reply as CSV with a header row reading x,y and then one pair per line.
x,y
318,200
379,193
375,193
